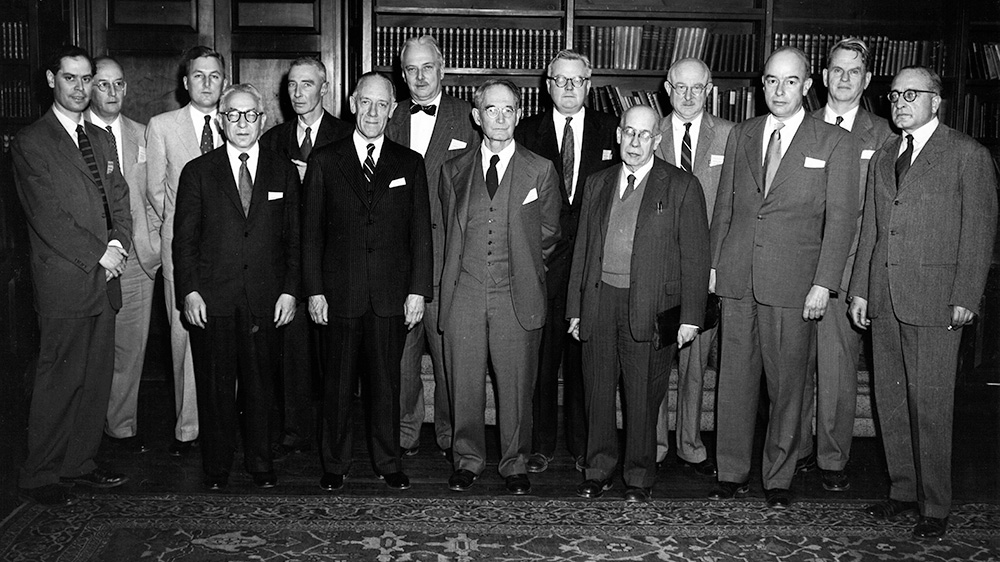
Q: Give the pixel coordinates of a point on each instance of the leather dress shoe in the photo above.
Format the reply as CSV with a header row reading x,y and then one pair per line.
x,y
890,508
729,490
180,448
518,484
396,480
806,464
777,498
538,462
461,480
332,482
593,488
134,444
410,451
216,483
49,494
930,527
835,480
703,468
98,478
264,479
637,494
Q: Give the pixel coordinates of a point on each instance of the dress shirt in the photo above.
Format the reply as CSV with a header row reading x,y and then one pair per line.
x,y
576,125
505,155
68,124
422,126
640,174
361,147
848,123
678,126
920,138
198,121
116,129
787,132
300,130
233,154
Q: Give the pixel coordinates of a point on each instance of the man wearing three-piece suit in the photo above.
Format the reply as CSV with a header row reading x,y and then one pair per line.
x,y
926,247
367,268
783,224
694,141
76,203
579,142
438,127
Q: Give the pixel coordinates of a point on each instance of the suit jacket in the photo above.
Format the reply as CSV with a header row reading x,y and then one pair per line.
x,y
282,138
929,245
670,252
709,154
532,230
225,255
360,254
799,235
453,136
599,151
66,217
871,131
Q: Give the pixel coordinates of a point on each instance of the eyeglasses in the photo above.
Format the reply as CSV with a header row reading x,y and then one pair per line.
x,y
104,86
561,81
251,115
643,135
683,89
493,111
908,95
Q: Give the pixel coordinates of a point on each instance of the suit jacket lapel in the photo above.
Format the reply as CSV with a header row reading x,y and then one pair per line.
x,y
66,146
441,135
705,137
225,181
863,127
926,158
258,197
667,143
800,147
190,138
385,170
350,166
130,149
603,206
753,148
651,195
463,185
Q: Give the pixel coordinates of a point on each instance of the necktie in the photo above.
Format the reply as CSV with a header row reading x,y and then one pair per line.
x,y
87,150
207,143
773,158
307,145
568,155
246,183
492,181
686,149
114,147
369,169
903,162
840,119
629,188
429,109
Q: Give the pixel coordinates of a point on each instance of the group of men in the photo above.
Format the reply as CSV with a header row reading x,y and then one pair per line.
x,y
512,249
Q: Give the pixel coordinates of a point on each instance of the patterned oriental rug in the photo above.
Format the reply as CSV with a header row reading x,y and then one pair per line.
x,y
208,528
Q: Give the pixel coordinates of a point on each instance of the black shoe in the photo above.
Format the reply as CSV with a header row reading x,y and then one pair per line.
x,y
538,462
930,527
396,480
410,452
703,468
593,488
49,494
180,448
890,508
332,482
99,478
461,480
730,490
264,479
134,444
806,464
216,483
835,480
581,463
636,494
777,498
518,484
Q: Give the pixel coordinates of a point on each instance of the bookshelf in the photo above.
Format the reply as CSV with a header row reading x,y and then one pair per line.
x,y
979,69
18,56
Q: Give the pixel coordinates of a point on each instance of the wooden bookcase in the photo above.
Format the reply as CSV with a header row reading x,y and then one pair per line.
x,y
978,90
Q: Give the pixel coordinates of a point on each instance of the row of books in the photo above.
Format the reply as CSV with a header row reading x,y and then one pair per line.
x,y
656,47
14,40
466,47
888,55
15,99
981,118
737,104
531,97
984,61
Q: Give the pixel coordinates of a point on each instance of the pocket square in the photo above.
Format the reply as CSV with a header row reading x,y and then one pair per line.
x,y
272,195
867,154
397,182
457,144
142,155
606,155
532,195
716,159
814,163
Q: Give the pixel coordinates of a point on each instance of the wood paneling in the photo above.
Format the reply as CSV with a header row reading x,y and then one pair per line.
x,y
158,13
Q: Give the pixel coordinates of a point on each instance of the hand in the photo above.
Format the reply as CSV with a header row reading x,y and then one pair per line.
x,y
686,334
816,302
711,280
284,310
113,260
960,316
574,328
301,167
318,309
195,310
858,312
413,310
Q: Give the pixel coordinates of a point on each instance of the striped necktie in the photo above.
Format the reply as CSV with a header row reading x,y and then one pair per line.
x,y
87,150
773,158
369,169
114,147
686,149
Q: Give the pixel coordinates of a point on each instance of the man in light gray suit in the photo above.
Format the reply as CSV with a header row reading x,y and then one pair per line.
x,y
132,321
694,141
173,139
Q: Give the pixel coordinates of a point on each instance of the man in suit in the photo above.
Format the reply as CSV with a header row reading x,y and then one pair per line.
x,y
926,247
831,391
132,321
642,248
783,223
173,139
236,252
694,141
295,426
501,211
438,127
578,141
367,266
76,204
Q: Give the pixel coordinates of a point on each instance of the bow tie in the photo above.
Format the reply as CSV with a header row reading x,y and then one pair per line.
x,y
428,109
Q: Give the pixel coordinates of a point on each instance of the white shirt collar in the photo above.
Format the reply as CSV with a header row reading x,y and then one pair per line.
x,y
233,154
640,174
849,116
920,137
361,147
791,125
314,126
68,124
198,121
505,155
435,102
678,129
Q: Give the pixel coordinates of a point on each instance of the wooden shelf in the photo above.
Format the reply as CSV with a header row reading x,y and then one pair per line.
x,y
481,71
756,15
479,12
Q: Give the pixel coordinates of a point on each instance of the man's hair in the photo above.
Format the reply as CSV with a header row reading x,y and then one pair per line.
x,y
708,70
107,58
852,44
68,52
258,100
795,51
656,122
426,41
567,54
198,52
310,61
933,79
480,94
371,75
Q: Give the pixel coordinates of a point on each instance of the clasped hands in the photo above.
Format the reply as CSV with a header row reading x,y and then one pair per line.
x,y
113,261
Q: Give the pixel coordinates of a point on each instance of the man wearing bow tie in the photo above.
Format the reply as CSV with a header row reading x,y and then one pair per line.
x,y
439,128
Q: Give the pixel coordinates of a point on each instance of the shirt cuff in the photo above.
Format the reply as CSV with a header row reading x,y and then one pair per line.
x,y
691,326
116,243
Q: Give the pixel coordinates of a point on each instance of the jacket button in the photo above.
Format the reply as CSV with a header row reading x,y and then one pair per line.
x,y
371,221
597,285
246,234
896,202
245,266
371,250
